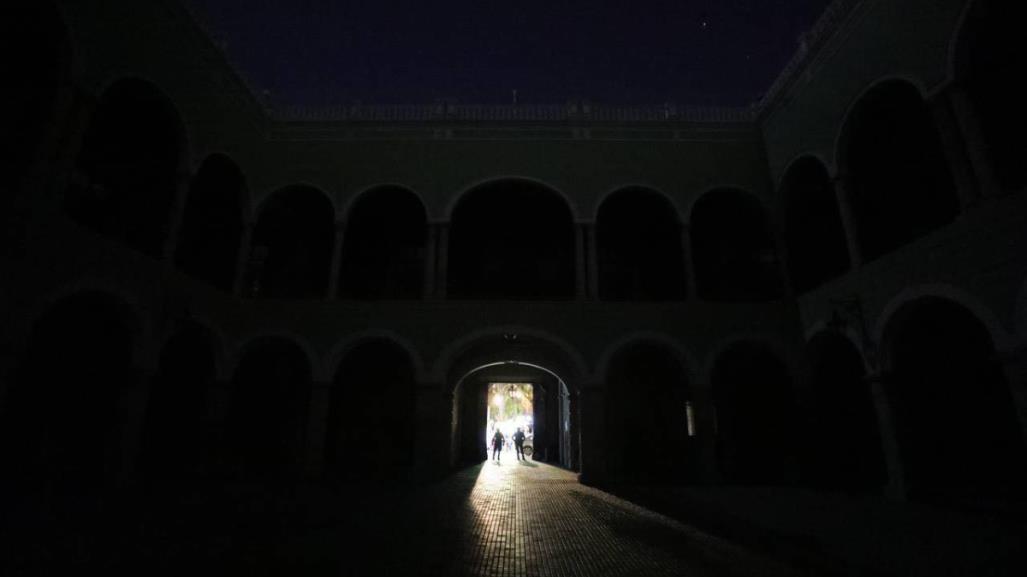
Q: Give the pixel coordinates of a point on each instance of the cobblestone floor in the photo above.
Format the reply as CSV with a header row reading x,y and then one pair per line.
x,y
530,519
492,520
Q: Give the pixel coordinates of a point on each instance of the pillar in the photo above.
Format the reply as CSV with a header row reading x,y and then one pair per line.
x,y
896,488
218,402
317,429
955,152
333,278
132,404
442,272
706,433
1014,366
433,414
973,142
430,260
691,285
580,268
592,247
243,257
174,224
843,194
593,434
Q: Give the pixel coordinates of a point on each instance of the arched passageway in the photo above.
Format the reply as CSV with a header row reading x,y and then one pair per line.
x,y
840,432
129,166
958,433
755,410
813,230
894,169
734,252
269,403
371,419
212,223
639,247
991,56
176,440
511,239
649,416
383,250
292,245
61,422
552,429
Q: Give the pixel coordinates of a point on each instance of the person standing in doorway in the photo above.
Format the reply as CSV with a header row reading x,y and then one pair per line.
x,y
518,439
497,444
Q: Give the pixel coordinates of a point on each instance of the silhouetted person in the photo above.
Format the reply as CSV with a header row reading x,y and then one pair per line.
x,y
497,444
518,439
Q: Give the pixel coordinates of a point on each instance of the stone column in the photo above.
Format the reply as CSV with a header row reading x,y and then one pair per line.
x,y
580,268
843,194
706,433
333,279
174,224
592,262
132,405
430,260
243,257
218,402
433,415
955,151
691,285
1014,365
896,488
593,434
442,273
973,140
317,429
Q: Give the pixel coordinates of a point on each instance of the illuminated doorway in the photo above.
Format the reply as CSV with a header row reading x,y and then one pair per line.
x,y
511,407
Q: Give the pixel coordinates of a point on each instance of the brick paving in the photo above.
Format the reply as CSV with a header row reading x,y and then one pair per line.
x,y
492,520
531,519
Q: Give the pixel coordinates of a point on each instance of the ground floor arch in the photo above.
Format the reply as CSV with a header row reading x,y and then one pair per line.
x,y
755,415
957,430
372,425
841,437
650,416
177,442
61,424
267,413
550,427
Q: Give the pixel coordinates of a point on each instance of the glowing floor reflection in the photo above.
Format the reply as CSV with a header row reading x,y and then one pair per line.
x,y
529,518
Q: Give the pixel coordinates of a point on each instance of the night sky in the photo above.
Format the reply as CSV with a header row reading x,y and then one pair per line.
x,y
321,52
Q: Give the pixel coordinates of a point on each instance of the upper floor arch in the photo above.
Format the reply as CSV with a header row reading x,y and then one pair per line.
x,y
511,239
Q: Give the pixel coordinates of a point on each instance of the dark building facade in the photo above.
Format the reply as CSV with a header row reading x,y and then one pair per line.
x,y
826,288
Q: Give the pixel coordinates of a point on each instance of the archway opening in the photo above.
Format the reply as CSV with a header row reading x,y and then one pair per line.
x,y
511,239
61,424
510,418
371,419
129,167
212,223
176,440
813,231
734,252
505,395
956,424
991,54
267,416
650,417
841,437
755,416
292,245
639,247
384,246
898,180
